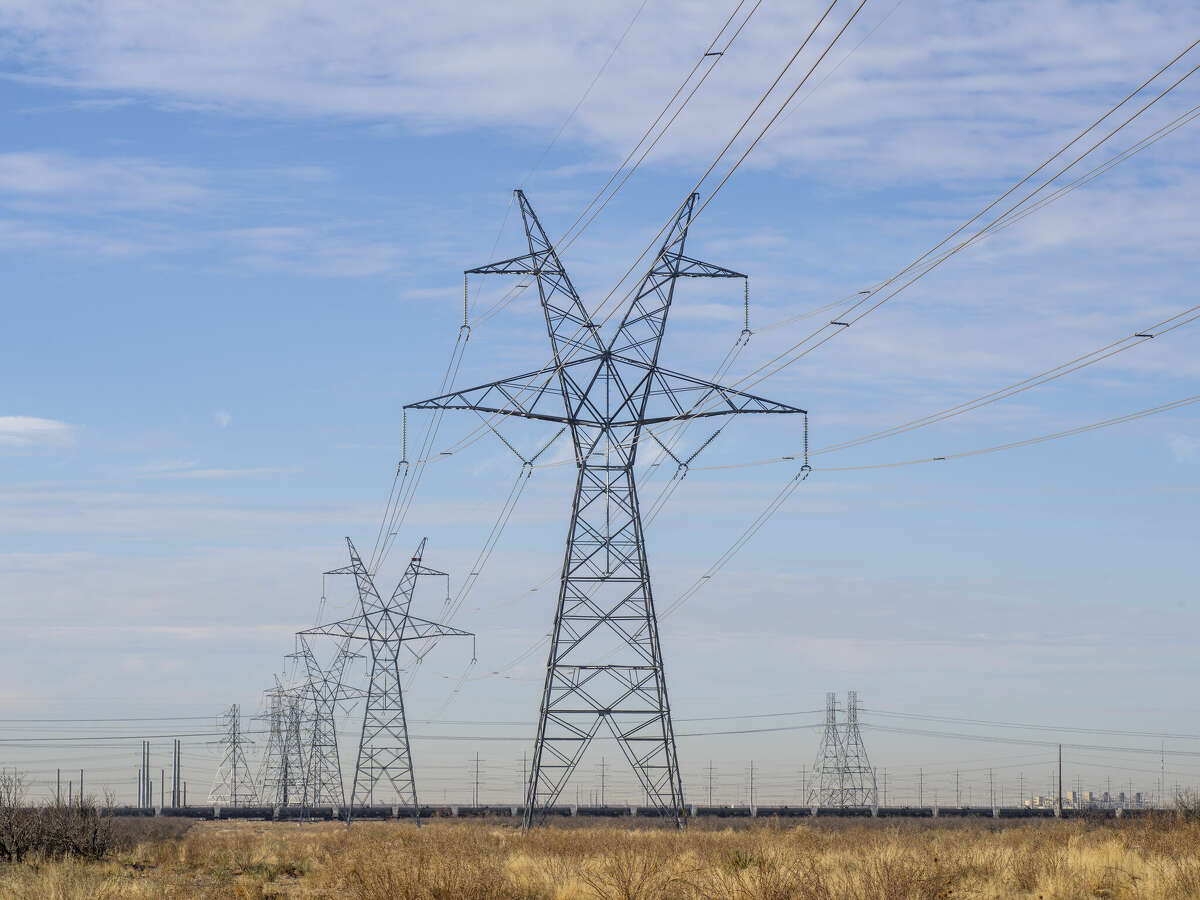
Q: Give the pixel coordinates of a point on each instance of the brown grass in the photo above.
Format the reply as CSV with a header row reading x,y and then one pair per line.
x,y
865,860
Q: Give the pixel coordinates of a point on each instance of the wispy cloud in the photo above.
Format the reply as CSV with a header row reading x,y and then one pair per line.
x,y
31,431
192,470
50,180
944,89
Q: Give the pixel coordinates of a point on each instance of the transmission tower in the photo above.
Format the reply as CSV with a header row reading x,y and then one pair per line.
x,y
386,627
858,779
605,664
234,782
324,689
282,777
829,785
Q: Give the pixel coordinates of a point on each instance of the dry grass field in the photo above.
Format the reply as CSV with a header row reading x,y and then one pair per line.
x,y
472,861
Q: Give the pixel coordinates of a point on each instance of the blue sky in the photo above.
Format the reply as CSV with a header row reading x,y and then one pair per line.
x,y
232,242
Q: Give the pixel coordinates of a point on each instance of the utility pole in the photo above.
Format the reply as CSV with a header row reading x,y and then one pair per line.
x,y
1021,789
475,798
603,767
752,784
885,787
921,788
1162,777
991,790
710,782
606,392
957,795
58,787
1060,799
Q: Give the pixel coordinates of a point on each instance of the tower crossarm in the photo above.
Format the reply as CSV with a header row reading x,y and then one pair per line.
x,y
672,396
353,628
568,323
686,267
518,265
530,395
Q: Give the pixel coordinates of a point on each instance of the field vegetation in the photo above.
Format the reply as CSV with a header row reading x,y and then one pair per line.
x,y
823,860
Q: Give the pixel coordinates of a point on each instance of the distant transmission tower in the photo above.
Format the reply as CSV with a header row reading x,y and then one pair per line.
x,y
605,665
383,748
324,689
858,780
282,777
234,783
829,779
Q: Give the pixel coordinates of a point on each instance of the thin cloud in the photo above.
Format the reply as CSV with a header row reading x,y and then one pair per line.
x,y
31,431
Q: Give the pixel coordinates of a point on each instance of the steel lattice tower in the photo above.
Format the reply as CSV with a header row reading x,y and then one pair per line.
x,y
283,768
383,748
323,690
858,779
829,783
234,783
605,665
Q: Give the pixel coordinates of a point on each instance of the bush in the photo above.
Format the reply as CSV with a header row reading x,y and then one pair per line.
x,y
80,829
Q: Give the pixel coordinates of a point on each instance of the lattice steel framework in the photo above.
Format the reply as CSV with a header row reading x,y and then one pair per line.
x,y
282,778
859,787
829,778
605,665
324,689
386,627
234,782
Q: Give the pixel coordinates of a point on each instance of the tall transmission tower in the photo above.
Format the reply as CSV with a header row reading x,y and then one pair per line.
x,y
828,784
324,689
234,782
605,665
386,627
858,780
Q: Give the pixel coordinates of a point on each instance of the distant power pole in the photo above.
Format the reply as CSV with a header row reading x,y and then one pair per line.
x,y
1060,805
752,784
921,788
603,767
475,798
710,781
957,794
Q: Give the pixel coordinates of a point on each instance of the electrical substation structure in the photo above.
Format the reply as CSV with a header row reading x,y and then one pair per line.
x,y
605,664
386,627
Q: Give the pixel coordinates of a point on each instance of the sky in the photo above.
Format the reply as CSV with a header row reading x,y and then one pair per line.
x,y
232,239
